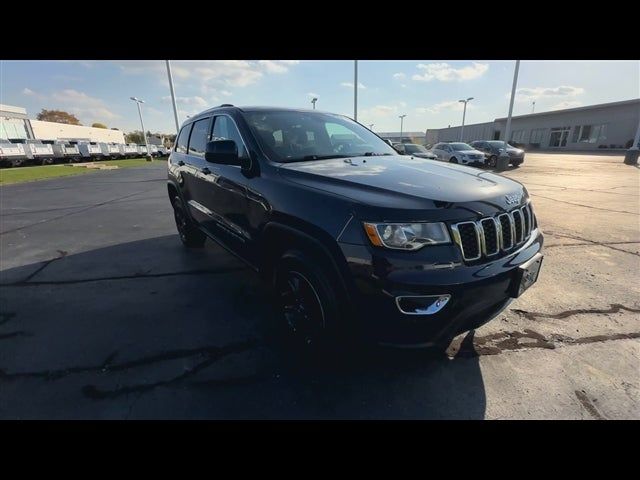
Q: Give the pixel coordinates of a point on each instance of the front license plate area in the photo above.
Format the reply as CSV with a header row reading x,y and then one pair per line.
x,y
526,275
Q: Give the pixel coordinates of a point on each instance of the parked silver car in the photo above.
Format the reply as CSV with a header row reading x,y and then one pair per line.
x,y
493,148
415,150
458,152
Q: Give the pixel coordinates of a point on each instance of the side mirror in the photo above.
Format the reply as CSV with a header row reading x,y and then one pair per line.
x,y
224,152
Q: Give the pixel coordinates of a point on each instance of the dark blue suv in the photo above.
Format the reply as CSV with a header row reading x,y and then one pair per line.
x,y
352,236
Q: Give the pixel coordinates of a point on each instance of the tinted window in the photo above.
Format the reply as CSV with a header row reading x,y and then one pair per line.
x,y
225,128
183,139
288,136
199,137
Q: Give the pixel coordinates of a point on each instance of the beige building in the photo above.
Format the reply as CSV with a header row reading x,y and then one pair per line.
x,y
14,123
600,127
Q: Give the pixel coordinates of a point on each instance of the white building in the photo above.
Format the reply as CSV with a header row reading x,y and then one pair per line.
x,y
594,127
15,123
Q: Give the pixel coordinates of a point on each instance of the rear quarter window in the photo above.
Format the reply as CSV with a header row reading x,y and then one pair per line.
x,y
183,139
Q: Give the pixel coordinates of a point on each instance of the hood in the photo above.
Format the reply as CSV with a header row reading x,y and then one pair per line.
x,y
424,155
469,152
400,181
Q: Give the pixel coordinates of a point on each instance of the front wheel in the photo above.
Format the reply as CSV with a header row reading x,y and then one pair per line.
x,y
190,235
307,302
453,160
493,161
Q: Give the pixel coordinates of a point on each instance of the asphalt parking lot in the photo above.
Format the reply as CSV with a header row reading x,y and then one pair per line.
x,y
103,314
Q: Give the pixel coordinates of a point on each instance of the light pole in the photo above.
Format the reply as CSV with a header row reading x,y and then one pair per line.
x,y
503,158
401,117
313,101
144,133
533,107
464,114
355,90
173,96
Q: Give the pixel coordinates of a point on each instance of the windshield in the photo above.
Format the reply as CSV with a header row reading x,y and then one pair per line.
x,y
412,148
460,147
499,144
288,136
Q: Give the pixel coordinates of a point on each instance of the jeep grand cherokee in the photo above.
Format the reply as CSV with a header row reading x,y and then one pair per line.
x,y
409,251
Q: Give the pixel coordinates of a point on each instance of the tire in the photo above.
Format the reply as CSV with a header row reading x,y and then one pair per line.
x,y
453,160
308,306
189,233
493,161
516,164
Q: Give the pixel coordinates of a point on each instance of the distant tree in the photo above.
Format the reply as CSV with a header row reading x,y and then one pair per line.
x,y
58,116
135,137
99,125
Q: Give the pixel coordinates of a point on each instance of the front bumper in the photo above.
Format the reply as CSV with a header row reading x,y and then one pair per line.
x,y
478,292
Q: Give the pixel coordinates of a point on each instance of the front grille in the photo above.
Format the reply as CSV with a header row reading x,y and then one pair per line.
x,y
488,236
469,241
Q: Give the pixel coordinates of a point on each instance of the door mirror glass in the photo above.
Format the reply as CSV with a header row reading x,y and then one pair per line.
x,y
223,152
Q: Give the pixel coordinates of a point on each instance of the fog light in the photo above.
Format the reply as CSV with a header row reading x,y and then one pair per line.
x,y
422,304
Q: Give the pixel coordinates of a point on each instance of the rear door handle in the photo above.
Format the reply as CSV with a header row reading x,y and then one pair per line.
x,y
206,171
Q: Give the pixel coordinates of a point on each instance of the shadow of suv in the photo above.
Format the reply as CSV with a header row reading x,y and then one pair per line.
x,y
352,236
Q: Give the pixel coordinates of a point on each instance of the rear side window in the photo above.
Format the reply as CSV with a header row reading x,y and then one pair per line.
x,y
225,128
199,137
183,139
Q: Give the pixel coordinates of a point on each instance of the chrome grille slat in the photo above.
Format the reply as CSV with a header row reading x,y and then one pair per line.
x,y
489,236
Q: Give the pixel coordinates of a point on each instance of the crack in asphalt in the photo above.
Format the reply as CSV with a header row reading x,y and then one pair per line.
x,y
588,405
17,333
589,190
211,353
593,242
497,343
61,254
590,243
25,283
613,308
585,206
95,205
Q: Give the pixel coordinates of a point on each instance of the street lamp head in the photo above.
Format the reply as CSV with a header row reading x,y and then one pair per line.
x,y
402,116
314,100
135,99
469,99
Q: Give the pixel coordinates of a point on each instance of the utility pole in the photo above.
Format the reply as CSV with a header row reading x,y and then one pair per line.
x,y
173,97
464,114
144,132
401,125
355,90
503,159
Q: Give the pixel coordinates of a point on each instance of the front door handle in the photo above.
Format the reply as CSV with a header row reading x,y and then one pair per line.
x,y
181,163
206,171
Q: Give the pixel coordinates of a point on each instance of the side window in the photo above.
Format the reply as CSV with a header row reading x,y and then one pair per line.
x,y
199,137
183,139
225,128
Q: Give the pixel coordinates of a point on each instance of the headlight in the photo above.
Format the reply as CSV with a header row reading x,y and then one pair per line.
x,y
406,236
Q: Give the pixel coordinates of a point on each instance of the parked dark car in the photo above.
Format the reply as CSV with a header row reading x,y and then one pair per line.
x,y
415,150
352,236
493,148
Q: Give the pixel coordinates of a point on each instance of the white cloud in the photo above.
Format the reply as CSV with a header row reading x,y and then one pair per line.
x,y
566,104
29,93
350,85
313,95
226,93
453,105
447,73
399,76
190,101
82,105
379,111
277,66
527,94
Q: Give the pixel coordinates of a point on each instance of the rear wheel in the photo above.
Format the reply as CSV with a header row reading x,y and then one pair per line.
x,y
190,235
453,160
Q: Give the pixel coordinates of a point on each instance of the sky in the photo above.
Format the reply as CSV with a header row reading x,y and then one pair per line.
x,y
426,91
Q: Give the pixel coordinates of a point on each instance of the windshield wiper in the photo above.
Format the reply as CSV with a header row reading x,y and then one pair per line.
x,y
315,157
374,154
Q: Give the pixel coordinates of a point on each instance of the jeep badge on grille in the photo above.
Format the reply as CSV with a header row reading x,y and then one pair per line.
x,y
512,199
